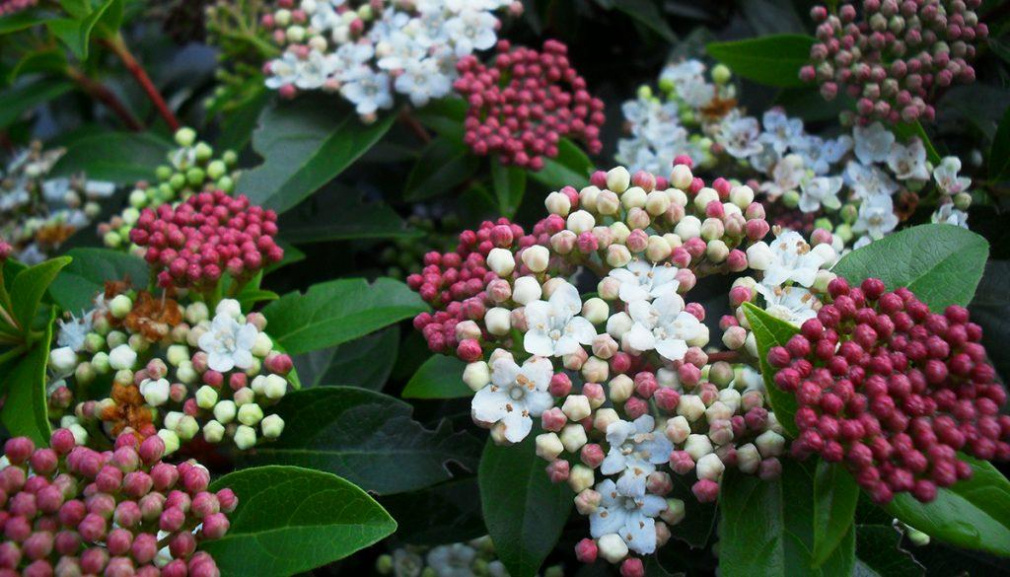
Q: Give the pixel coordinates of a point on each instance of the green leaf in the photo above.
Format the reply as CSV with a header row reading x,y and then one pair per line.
x,y
974,514
30,286
766,526
772,60
445,116
77,285
509,186
999,154
26,409
443,166
523,510
339,213
46,61
878,553
367,437
290,520
23,20
14,102
75,33
440,377
120,157
237,126
906,131
305,144
338,311
571,168
647,13
941,263
835,498
990,308
365,363
439,515
770,332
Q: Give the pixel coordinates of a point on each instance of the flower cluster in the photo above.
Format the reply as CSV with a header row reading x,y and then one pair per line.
x,y
70,510
192,168
175,371
893,56
893,390
476,558
522,105
193,244
38,212
366,51
12,6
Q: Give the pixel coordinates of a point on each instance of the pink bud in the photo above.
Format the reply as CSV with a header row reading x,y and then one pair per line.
x,y
586,551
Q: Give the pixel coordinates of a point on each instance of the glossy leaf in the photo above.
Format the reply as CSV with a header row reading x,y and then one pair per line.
x,y
772,60
364,363
367,437
77,285
647,13
123,158
338,311
22,20
440,515
835,498
440,377
30,286
339,213
524,511
991,310
25,411
443,166
305,144
75,33
291,520
879,553
941,263
509,186
571,168
770,332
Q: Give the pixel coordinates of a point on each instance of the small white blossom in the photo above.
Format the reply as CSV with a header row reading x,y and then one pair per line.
x,y
514,396
872,143
787,176
820,191
876,217
867,181
633,519
663,325
790,303
554,328
454,560
781,132
947,214
74,330
228,344
643,281
635,450
791,259
947,178
909,162
739,135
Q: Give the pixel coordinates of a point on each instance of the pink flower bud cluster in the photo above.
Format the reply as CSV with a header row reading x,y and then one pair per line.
x,y
194,244
5,250
894,56
70,510
893,390
12,6
522,105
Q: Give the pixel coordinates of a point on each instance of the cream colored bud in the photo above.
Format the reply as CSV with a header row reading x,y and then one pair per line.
x,y
573,437
698,446
705,196
681,177
618,179
770,444
580,221
608,203
477,375
596,310
501,261
588,197
677,429
558,203
498,321
689,227
526,290
657,203
620,388
658,249
549,446
634,197
618,255
595,370
581,478
612,548
710,467
536,258
691,407
741,196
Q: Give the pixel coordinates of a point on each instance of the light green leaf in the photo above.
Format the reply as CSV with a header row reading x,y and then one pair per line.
x,y
941,263
509,186
835,498
75,33
571,168
75,288
290,520
771,332
772,60
26,409
367,437
120,157
30,286
440,377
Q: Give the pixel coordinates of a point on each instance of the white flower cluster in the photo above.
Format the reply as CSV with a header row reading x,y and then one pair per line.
x,y
38,213
476,558
366,51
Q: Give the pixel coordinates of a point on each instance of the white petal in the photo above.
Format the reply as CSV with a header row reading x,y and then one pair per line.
x,y
613,464
641,338
504,372
538,401
220,362
606,521
538,343
517,426
581,330
640,534
488,405
671,349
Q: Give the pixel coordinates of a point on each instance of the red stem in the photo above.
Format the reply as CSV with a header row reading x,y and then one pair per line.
x,y
118,46
99,92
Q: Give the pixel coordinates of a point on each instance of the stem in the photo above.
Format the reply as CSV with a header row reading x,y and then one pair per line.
x,y
408,120
117,45
99,92
15,352
728,356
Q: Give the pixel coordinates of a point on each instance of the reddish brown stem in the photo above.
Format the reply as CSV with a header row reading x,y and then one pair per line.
x,y
408,120
728,356
119,47
99,92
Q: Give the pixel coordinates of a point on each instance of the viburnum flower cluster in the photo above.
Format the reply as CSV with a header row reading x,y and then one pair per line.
x,y
894,57
525,102
39,212
193,167
369,51
475,557
71,510
893,390
193,244
175,371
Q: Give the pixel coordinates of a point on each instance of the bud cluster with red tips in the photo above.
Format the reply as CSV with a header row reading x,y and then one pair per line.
x,y
897,56
525,103
71,510
193,244
893,390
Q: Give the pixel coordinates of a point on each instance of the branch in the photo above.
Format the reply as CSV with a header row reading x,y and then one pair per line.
x,y
119,47
99,92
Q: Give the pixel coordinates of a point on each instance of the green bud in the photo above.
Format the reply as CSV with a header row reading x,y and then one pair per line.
x,y
824,223
195,176
849,213
962,200
721,74
177,181
384,564
216,169
93,342
230,158
226,184
185,137
163,172
112,239
101,363
138,198
85,373
844,232
204,152
791,199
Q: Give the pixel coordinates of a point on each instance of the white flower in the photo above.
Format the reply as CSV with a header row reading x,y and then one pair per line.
x,y
635,450
283,71
663,325
820,191
947,214
909,162
554,330
325,15
314,71
947,178
695,93
368,91
739,135
422,81
155,392
633,519
791,260
73,331
872,143
876,217
789,303
472,30
866,181
228,344
782,132
514,396
787,176
452,560
643,281
820,154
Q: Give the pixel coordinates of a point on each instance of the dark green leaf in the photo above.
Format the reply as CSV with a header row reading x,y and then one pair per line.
x,y
646,13
364,363
19,21
941,263
30,286
75,33
120,157
440,377
443,166
439,515
14,102
773,60
445,116
974,514
305,144
699,518
770,332
991,309
767,529
878,553
571,168
999,154
26,409
835,497
47,61
338,213
367,437
291,520
237,126
524,511
338,311
772,17
84,278
509,186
